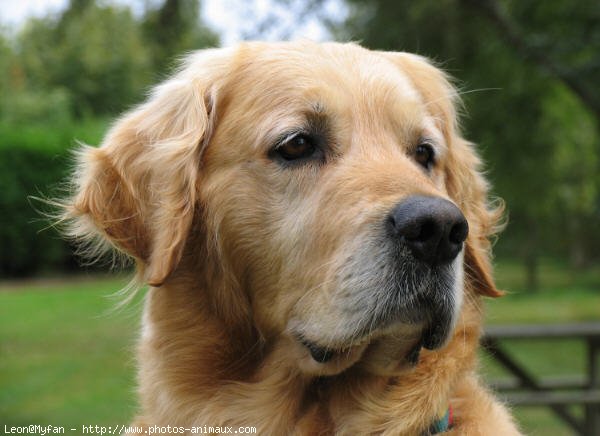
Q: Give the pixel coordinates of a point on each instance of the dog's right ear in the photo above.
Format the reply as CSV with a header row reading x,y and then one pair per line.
x,y
137,191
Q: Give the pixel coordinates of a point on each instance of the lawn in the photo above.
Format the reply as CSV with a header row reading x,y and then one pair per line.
x,y
66,354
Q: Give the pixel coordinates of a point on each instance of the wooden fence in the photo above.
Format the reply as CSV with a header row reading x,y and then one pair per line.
x,y
556,393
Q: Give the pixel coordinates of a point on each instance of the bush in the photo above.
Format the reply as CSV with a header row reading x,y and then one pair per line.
x,y
36,106
34,160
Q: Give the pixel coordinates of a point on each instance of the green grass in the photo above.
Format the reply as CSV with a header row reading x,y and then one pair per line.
x,y
553,276
67,359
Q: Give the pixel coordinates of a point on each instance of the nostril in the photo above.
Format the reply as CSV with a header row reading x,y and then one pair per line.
x,y
391,222
458,232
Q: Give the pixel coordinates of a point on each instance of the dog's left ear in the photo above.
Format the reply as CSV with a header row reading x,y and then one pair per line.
x,y
464,182
469,190
479,271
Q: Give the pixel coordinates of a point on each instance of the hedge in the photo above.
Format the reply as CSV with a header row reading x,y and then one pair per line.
x,y
34,162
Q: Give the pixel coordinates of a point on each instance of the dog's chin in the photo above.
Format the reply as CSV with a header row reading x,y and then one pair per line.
x,y
387,351
399,325
322,361
399,348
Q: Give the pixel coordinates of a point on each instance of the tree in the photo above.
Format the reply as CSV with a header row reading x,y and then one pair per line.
x,y
98,58
95,53
574,58
6,59
174,28
561,39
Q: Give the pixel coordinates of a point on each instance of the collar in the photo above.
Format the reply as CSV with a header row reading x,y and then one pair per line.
x,y
443,423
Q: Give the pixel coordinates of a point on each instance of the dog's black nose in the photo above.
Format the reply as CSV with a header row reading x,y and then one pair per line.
x,y
433,228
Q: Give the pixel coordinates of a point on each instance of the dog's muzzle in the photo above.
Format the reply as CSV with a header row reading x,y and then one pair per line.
x,y
423,237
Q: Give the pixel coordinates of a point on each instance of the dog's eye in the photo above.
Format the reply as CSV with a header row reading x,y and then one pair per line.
x,y
299,146
425,155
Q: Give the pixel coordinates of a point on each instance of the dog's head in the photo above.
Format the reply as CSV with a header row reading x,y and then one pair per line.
x,y
326,185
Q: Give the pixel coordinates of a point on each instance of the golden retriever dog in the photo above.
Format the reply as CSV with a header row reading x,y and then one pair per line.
x,y
314,233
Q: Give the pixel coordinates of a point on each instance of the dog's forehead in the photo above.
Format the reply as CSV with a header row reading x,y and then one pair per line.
x,y
300,67
287,81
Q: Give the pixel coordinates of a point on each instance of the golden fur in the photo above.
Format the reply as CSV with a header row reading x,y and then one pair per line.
x,y
239,251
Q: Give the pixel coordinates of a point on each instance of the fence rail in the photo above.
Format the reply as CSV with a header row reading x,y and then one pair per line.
x,y
557,393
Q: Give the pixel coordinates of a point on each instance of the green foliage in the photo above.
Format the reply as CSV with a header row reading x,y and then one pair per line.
x,y
97,54
34,160
575,165
173,29
93,59
565,34
5,61
37,106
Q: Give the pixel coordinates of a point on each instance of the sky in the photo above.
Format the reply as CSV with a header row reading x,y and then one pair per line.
x,y
14,12
232,19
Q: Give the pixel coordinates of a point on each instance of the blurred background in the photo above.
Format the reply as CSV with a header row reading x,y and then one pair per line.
x,y
529,75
